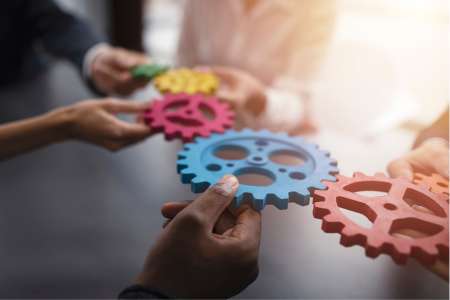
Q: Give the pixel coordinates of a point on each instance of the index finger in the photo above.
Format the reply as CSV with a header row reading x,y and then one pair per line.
x,y
125,60
128,107
248,225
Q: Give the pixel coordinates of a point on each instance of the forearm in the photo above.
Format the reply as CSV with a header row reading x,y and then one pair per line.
x,y
29,134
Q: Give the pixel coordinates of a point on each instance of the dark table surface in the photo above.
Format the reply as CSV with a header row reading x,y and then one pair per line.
x,y
77,221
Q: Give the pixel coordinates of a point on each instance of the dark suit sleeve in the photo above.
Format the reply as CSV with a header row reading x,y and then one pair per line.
x,y
61,34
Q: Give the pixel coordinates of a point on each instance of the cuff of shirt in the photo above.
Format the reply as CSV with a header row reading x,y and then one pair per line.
x,y
89,58
140,292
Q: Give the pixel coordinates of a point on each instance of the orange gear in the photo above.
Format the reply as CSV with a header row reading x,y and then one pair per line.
x,y
436,183
408,221
187,81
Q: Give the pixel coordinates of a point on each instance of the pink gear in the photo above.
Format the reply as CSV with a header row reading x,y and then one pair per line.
x,y
406,208
188,116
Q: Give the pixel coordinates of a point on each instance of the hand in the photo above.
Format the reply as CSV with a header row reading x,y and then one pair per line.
x,y
110,70
198,255
94,121
430,157
243,91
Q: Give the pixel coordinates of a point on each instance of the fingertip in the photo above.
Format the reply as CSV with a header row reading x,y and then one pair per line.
x,y
226,186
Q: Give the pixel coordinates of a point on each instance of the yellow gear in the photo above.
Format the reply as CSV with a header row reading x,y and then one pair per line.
x,y
187,81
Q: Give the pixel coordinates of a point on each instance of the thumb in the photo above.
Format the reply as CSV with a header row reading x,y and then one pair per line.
x,y
215,200
131,131
401,168
128,107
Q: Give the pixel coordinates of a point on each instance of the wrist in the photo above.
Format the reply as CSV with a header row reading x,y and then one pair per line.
x,y
61,122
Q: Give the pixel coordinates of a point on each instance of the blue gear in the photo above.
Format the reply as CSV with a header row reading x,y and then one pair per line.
x,y
199,166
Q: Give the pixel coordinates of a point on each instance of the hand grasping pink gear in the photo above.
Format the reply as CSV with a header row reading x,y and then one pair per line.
x,y
95,121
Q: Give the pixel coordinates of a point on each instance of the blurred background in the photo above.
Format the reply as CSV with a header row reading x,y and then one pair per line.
x,y
77,222
386,63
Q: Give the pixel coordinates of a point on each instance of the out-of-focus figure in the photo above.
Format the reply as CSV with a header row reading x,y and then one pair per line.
x,y
279,43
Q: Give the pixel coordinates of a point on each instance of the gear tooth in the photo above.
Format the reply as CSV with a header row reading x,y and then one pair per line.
x,y
333,171
330,224
325,153
277,201
198,185
264,132
259,204
298,198
346,230
318,186
331,178
283,135
319,195
180,167
186,177
321,205
429,250
359,175
333,163
245,131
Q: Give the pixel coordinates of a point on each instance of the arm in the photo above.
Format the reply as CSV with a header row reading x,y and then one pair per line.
x,y
61,34
105,68
90,121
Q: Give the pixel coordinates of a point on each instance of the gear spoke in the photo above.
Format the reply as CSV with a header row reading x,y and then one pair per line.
x,y
187,121
398,229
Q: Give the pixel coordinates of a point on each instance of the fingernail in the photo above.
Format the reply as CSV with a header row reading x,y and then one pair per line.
x,y
226,186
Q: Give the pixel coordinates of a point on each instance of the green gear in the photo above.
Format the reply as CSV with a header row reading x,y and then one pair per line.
x,y
148,71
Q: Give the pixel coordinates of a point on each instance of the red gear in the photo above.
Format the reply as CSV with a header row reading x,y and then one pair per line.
x,y
436,183
389,214
188,116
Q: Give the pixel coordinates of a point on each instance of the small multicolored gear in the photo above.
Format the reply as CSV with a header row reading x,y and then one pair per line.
x,y
188,116
187,81
148,71
436,183
203,163
408,221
